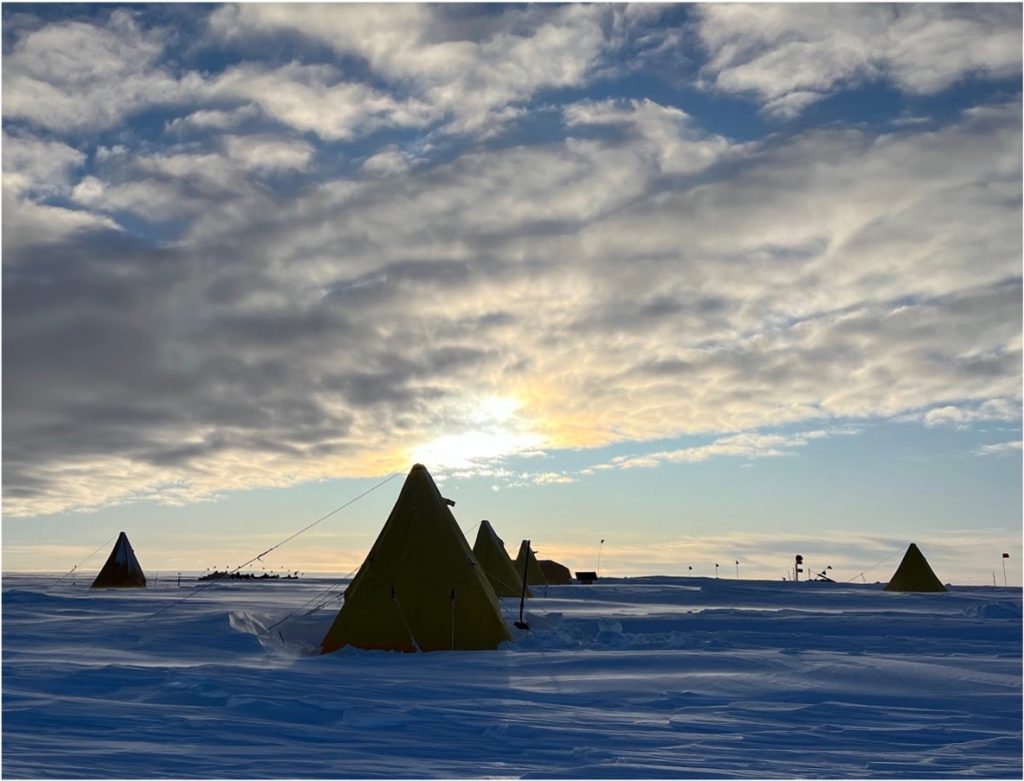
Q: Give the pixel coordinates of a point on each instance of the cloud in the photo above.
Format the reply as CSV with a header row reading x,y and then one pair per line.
x,y
999,449
965,416
35,170
745,445
186,181
790,56
550,478
268,153
74,75
332,339
678,145
213,118
388,161
230,301
302,350
468,67
315,98
38,167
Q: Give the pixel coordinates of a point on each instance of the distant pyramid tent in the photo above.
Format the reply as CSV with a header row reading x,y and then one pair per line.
x,y
420,588
534,574
557,574
914,574
122,569
491,554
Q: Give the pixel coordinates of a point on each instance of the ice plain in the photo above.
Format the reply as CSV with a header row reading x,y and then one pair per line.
x,y
659,677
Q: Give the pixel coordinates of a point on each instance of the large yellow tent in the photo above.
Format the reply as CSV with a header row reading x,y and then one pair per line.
x,y
914,574
420,588
491,554
534,574
122,569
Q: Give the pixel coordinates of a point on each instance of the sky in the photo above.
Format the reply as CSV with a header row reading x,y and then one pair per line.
x,y
713,283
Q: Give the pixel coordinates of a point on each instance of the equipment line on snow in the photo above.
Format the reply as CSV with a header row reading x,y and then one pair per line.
x,y
278,545
79,564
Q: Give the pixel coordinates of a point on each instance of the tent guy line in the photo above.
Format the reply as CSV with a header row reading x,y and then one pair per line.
x,y
318,520
79,564
278,545
876,564
316,598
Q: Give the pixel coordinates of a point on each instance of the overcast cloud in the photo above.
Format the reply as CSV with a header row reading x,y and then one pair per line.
x,y
226,269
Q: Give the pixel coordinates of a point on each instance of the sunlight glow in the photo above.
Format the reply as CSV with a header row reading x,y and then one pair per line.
x,y
491,431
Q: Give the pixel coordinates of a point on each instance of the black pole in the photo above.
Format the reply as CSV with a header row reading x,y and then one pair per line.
x,y
520,624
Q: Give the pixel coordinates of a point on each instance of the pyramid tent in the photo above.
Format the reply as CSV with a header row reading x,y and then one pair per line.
x,y
491,554
122,569
420,587
914,574
557,574
534,574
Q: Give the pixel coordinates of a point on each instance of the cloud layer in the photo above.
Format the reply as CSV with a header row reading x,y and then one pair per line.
x,y
790,56
268,270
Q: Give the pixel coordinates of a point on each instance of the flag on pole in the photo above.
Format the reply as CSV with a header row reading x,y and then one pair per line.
x,y
602,542
1006,555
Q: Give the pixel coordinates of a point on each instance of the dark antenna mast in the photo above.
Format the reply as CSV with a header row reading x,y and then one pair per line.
x,y
521,624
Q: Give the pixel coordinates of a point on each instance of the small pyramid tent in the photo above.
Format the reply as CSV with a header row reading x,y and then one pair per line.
x,y
420,588
534,574
914,574
557,574
491,554
122,569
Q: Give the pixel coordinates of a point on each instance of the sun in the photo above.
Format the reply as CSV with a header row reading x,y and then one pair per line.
x,y
490,430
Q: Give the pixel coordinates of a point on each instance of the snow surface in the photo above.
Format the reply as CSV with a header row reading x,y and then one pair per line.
x,y
643,677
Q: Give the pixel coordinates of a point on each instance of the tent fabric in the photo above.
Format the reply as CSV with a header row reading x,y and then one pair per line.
x,y
534,574
122,569
490,552
914,574
420,587
557,574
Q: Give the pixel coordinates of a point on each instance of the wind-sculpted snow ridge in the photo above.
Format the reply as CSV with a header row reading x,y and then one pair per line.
x,y
636,678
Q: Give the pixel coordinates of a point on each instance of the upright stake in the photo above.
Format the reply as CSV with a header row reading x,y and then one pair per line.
x,y
598,573
520,624
1005,557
